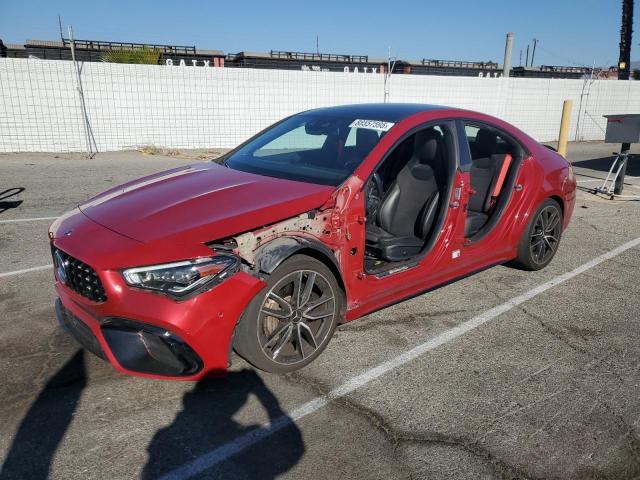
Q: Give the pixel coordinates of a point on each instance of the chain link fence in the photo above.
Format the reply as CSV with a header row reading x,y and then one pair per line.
x,y
129,106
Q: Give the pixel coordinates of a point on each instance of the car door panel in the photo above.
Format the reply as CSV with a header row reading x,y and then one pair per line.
x,y
372,291
505,223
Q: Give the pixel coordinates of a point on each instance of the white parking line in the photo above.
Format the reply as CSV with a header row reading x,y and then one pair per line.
x,y
241,443
34,219
25,270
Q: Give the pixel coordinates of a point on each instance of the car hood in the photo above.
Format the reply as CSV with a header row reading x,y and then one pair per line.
x,y
201,202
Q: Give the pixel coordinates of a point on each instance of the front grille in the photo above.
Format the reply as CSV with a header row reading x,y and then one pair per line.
x,y
80,277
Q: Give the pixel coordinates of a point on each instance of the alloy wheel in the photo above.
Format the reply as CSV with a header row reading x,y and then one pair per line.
x,y
296,316
545,236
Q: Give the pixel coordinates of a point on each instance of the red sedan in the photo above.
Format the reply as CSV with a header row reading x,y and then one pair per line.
x,y
322,218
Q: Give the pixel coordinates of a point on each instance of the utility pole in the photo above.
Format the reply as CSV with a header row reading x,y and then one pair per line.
x,y
387,75
83,106
506,65
520,57
533,54
60,28
624,67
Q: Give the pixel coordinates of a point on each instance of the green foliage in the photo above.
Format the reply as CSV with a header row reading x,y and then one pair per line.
x,y
149,56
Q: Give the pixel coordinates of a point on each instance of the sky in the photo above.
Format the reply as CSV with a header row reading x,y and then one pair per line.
x,y
570,32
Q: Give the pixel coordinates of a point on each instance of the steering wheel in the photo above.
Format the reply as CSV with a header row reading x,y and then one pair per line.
x,y
374,194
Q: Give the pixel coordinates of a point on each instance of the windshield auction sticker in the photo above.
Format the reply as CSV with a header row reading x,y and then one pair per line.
x,y
372,125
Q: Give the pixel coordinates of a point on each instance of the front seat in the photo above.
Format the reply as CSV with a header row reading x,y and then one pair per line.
x,y
407,213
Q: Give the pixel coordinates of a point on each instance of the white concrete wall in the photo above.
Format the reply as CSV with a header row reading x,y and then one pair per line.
x,y
189,107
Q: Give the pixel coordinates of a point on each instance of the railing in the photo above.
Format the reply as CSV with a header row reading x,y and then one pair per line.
x,y
458,64
320,57
103,45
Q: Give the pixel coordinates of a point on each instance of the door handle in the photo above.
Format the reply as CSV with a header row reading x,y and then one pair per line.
x,y
457,193
518,187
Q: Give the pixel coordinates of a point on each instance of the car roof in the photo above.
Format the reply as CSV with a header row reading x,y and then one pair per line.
x,y
387,112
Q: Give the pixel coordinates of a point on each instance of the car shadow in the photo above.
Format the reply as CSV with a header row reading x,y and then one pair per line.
x,y
204,434
9,193
36,441
603,164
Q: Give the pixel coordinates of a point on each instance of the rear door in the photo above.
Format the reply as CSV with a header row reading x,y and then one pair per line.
x,y
496,167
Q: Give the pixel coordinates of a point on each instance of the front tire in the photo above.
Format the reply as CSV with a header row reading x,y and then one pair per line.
x,y
290,322
541,238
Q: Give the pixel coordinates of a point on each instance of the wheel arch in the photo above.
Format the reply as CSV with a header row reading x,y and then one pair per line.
x,y
535,206
560,201
273,254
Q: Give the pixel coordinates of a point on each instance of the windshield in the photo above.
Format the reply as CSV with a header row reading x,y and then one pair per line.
x,y
312,148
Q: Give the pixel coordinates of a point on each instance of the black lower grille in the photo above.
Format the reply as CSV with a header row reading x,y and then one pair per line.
x,y
79,330
78,276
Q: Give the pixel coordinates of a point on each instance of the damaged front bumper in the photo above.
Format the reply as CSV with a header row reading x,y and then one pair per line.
x,y
145,334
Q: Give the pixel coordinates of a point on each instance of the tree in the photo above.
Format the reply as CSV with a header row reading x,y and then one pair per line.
x,y
145,55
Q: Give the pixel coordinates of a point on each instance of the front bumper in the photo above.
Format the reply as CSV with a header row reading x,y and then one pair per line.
x,y
145,334
136,346
140,332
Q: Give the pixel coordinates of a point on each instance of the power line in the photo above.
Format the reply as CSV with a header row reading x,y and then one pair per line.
x,y
563,58
533,54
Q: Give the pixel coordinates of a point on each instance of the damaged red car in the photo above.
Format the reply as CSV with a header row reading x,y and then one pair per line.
x,y
322,218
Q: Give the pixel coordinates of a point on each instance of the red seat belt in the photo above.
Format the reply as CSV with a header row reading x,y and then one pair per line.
x,y
502,175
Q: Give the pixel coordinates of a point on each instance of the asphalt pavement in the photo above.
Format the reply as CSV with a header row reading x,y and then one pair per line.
x,y
505,374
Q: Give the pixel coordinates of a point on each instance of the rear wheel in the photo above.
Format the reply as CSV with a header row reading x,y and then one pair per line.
x,y
541,238
290,322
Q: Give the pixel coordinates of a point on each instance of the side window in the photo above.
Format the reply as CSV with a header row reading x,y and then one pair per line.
x,y
431,146
409,150
502,146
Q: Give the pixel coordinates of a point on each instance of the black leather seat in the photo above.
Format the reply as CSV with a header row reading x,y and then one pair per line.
x,y
484,176
408,211
485,144
481,173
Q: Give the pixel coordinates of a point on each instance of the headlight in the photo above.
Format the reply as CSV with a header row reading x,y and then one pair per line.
x,y
180,279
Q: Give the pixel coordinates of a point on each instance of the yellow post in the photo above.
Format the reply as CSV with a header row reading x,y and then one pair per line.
x,y
564,127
